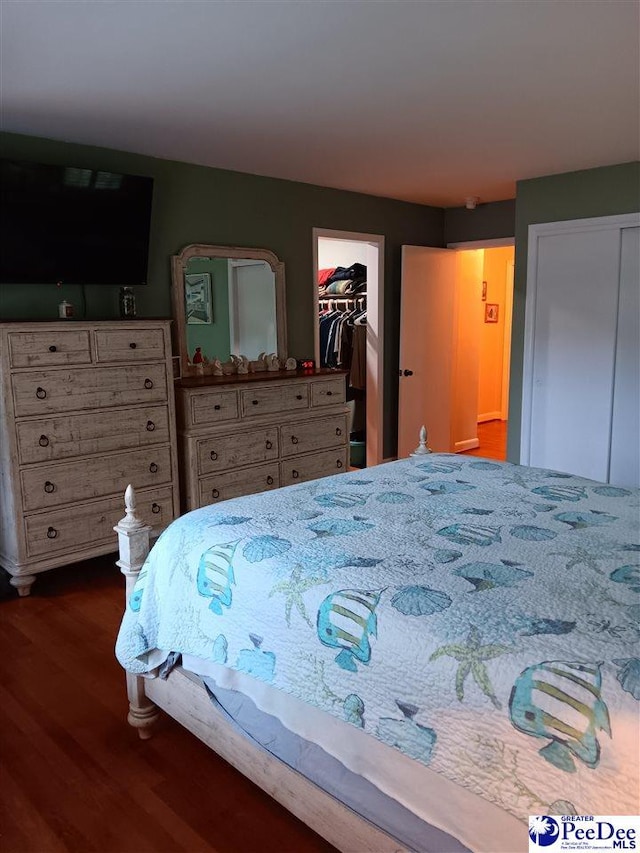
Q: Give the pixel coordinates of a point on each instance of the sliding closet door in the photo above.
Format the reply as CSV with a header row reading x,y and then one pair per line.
x,y
625,446
575,317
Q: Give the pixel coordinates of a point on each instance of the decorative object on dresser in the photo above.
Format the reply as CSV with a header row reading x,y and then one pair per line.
x,y
254,432
246,309
84,406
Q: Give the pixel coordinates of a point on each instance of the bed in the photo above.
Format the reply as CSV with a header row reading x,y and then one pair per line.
x,y
458,634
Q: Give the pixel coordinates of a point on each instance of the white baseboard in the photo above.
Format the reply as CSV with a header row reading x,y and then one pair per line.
x,y
490,416
469,444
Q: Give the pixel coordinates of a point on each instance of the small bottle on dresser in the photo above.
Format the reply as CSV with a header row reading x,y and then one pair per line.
x,y
65,310
127,303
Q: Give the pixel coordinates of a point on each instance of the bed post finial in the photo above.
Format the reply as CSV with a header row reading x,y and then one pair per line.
x,y
422,449
133,540
133,546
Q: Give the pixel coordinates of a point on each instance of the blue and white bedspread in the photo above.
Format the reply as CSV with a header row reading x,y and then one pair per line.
x,y
481,617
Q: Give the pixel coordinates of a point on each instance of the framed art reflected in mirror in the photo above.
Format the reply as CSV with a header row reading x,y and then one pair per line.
x,y
197,291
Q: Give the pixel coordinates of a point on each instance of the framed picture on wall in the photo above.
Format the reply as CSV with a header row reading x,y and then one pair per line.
x,y
197,289
491,312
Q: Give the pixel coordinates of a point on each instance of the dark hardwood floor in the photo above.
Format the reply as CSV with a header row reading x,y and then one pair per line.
x,y
74,776
493,440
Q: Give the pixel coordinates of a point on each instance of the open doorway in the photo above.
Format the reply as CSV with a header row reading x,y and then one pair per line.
x,y
455,347
348,286
494,354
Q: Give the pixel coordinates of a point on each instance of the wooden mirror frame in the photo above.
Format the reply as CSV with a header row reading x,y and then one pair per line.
x,y
203,250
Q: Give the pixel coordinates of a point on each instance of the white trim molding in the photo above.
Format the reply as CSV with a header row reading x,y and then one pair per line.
x,y
468,444
375,336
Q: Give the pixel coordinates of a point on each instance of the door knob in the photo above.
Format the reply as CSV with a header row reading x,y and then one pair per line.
x,y
408,372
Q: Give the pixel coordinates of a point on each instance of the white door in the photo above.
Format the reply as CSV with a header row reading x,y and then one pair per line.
x,y
426,347
573,289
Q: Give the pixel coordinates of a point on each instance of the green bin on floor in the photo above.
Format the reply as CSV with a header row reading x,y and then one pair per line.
x,y
357,455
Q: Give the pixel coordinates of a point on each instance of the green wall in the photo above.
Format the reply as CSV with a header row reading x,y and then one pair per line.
x,y
605,191
213,338
487,222
195,204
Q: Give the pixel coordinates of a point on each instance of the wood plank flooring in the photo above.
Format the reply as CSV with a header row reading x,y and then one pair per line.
x,y
493,440
75,777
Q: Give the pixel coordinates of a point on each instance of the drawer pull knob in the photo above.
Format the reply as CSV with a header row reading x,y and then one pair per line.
x,y
215,493
294,439
269,480
43,441
329,393
41,393
52,533
298,396
49,487
133,345
53,348
254,402
155,508
148,383
338,431
295,474
153,468
339,463
213,455
268,444
217,407
150,426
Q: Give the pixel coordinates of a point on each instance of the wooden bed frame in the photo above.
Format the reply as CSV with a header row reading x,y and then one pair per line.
x,y
184,698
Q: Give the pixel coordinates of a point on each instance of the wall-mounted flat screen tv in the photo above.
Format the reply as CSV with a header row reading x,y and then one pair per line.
x,y
73,225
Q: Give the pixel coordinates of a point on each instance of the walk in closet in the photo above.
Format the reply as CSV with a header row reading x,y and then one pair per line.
x,y
342,323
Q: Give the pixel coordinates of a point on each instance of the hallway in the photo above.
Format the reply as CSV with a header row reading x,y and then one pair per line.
x,y
493,441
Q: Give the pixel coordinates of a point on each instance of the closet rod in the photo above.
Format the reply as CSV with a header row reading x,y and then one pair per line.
x,y
353,298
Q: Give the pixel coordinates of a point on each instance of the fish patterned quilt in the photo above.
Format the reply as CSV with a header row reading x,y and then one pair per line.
x,y
481,617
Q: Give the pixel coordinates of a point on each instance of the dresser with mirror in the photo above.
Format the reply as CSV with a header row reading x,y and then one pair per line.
x,y
247,432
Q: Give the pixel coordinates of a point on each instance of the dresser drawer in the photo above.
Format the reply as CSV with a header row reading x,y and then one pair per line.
x,y
329,392
311,467
234,451
280,398
129,344
51,439
233,484
214,407
50,348
313,435
92,524
50,485
45,392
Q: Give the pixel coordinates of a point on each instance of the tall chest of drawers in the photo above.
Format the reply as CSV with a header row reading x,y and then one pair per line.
x,y
86,409
244,434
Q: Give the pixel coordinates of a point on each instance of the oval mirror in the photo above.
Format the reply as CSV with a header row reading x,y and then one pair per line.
x,y
227,301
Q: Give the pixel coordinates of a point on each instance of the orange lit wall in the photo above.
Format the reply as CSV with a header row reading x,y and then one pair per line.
x,y
490,368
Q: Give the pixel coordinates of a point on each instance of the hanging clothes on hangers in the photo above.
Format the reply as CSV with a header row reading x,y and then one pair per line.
x,y
337,320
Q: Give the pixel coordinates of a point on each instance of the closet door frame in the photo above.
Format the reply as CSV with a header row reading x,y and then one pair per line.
x,y
536,231
375,338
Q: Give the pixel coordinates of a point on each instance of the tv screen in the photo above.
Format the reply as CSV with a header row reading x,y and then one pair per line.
x,y
71,225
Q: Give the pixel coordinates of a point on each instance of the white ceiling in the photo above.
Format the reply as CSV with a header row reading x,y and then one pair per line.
x,y
424,100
